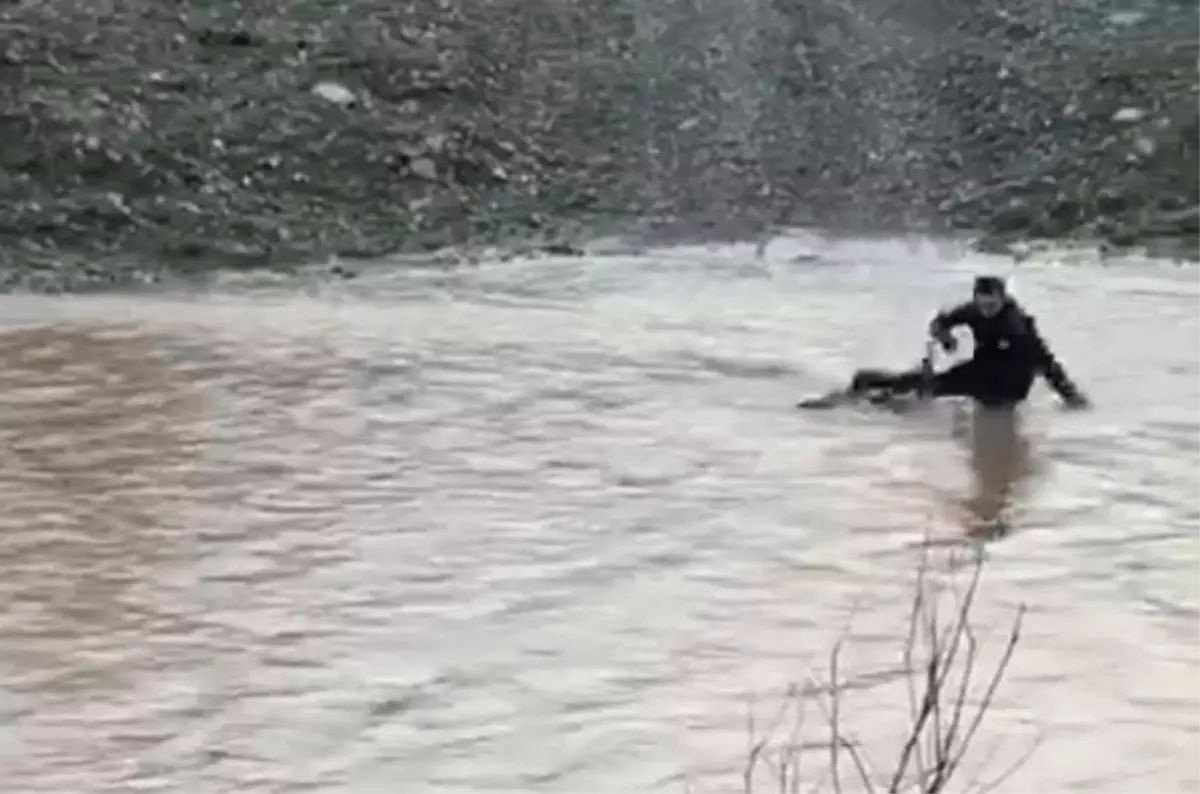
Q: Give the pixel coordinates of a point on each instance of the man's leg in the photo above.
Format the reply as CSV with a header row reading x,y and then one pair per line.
x,y
958,381
869,380
1000,458
998,453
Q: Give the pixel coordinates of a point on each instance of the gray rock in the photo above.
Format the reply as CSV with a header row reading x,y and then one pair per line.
x,y
336,93
425,168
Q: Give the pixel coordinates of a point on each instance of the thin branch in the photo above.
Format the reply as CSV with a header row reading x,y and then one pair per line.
x,y
910,643
1000,779
962,620
917,730
861,766
961,628
940,729
755,749
794,747
834,720
942,774
985,705
936,672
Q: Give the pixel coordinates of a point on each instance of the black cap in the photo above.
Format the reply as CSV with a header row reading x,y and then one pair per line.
x,y
989,285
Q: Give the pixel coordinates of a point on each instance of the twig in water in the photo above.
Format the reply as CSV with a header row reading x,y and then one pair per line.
x,y
940,730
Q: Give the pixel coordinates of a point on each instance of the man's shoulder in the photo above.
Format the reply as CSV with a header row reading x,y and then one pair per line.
x,y
964,311
1021,321
1018,312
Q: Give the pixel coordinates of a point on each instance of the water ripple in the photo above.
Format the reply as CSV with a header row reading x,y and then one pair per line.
x,y
548,524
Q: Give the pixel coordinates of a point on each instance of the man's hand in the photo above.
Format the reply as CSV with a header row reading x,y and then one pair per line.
x,y
947,341
1076,401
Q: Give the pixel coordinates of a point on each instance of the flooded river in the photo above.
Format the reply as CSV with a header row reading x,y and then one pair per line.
x,y
551,525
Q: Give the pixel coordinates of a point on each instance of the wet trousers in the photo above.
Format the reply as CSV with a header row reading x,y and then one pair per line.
x,y
990,385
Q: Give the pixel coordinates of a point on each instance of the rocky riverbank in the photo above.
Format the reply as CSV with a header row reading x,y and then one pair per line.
x,y
143,138
1121,165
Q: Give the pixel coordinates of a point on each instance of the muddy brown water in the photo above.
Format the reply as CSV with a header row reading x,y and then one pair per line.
x,y
551,525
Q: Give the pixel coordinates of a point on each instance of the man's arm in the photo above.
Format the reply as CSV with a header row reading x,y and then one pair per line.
x,y
947,320
1050,368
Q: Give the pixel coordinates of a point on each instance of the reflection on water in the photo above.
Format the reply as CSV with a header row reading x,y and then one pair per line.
x,y
545,525
97,438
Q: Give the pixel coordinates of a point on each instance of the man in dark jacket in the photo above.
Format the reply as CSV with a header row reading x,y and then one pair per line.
x,y
1009,354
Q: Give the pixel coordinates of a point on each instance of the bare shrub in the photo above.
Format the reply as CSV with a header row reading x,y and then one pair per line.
x,y
949,695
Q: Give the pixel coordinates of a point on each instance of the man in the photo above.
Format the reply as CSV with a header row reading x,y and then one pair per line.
x,y
1009,354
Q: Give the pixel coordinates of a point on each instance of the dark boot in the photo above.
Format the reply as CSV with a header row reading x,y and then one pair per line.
x,y
869,380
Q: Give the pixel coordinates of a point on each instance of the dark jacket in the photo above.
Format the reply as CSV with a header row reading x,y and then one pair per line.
x,y
1009,351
